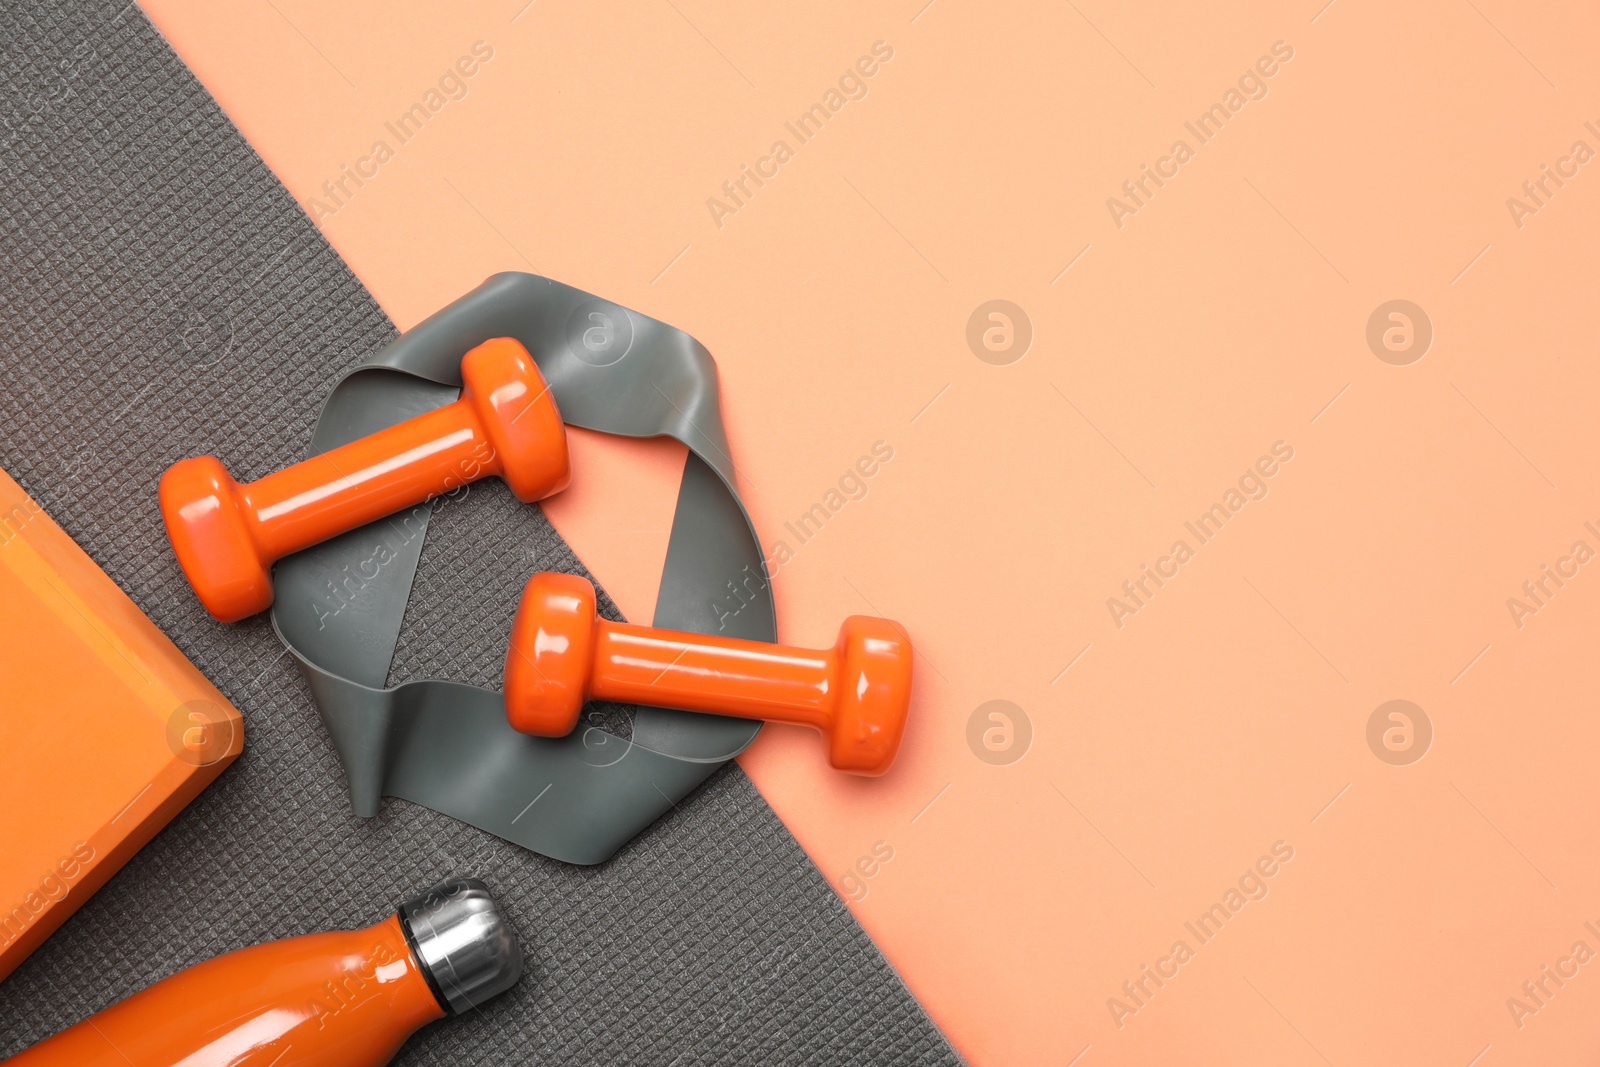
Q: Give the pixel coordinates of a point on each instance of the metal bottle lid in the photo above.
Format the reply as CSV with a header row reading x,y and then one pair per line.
x,y
466,947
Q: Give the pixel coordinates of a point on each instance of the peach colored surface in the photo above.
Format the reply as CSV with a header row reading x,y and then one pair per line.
x,y
1210,734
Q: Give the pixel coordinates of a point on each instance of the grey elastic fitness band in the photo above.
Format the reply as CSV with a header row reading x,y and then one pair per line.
x,y
447,745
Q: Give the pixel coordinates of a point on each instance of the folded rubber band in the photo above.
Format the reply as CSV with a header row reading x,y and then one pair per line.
x,y
447,745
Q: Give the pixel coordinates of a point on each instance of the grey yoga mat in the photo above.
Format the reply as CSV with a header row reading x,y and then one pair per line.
x,y
447,745
161,285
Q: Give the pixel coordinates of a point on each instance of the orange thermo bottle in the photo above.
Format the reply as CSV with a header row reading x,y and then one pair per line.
x,y
343,999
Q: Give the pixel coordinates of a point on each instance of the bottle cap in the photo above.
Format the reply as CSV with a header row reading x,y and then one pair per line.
x,y
467,949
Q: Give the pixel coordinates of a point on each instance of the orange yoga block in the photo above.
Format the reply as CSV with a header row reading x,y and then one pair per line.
x,y
106,730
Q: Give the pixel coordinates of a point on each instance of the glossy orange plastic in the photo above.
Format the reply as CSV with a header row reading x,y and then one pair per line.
x,y
562,654
227,536
346,999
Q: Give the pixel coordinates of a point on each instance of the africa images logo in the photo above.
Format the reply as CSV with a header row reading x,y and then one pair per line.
x,y
1137,592
737,192
1252,886
1137,192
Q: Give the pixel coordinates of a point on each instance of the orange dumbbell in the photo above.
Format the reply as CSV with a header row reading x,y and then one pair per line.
x,y
227,536
562,654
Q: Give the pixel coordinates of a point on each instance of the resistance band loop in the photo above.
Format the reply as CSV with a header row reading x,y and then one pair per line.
x,y
446,745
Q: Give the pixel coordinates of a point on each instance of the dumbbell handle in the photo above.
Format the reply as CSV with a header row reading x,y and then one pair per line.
x,y
748,679
368,478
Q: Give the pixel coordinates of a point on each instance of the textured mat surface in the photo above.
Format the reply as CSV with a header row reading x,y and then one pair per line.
x,y
161,295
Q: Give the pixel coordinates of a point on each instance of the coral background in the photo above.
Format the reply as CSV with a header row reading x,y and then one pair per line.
x,y
1144,768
